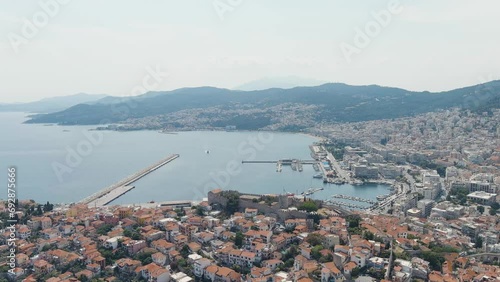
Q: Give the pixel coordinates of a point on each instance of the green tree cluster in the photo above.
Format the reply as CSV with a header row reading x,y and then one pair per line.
x,y
309,206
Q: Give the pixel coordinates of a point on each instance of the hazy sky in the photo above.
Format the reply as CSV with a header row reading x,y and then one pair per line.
x,y
105,46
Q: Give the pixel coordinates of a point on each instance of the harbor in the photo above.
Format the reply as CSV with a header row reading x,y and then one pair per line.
x,y
295,164
354,199
348,205
326,166
282,161
121,187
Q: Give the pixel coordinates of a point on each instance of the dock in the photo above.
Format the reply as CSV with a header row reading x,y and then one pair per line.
x,y
355,199
109,197
283,162
311,191
344,204
121,187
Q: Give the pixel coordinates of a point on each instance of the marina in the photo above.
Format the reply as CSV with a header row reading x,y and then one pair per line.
x,y
348,205
353,198
295,164
283,161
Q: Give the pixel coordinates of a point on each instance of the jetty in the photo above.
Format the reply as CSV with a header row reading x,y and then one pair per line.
x,y
114,191
311,191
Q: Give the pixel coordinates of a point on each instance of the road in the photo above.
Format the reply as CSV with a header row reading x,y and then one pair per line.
x,y
344,175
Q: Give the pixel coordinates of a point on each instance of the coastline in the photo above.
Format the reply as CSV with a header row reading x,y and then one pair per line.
x,y
294,182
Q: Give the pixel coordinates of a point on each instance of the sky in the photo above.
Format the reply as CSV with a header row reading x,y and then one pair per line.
x,y
62,47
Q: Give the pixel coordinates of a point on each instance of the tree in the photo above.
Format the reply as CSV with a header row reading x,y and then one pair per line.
x,y
479,243
291,253
182,263
480,209
375,273
199,211
104,229
315,217
238,240
233,201
435,259
327,258
144,258
48,207
309,206
355,272
353,220
494,208
185,251
368,235
315,252
38,211
315,239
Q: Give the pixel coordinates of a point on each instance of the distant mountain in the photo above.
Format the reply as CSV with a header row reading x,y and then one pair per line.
x,y
49,105
290,109
285,82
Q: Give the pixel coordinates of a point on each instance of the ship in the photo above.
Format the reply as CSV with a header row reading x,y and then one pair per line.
x,y
382,197
319,176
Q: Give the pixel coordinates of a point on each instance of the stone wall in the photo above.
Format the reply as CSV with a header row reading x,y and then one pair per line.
x,y
273,211
215,198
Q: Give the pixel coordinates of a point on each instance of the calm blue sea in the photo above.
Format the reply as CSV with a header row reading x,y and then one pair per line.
x,y
67,163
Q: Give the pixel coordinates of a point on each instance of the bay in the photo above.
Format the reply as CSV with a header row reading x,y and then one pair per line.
x,y
64,164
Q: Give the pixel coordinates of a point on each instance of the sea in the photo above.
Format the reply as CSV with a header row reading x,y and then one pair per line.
x,y
64,164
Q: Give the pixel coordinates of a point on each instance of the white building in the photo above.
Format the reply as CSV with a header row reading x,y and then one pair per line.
x,y
425,206
482,197
200,265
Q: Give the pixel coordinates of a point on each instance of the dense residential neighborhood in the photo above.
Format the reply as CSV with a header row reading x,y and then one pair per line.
x,y
204,242
250,141
439,223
